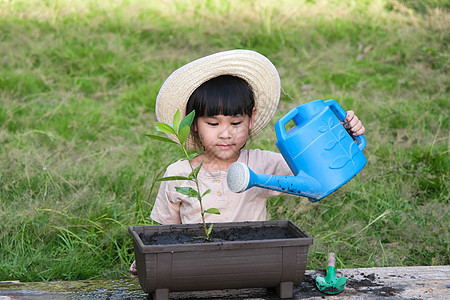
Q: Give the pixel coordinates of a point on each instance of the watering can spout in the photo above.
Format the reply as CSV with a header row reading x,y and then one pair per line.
x,y
240,178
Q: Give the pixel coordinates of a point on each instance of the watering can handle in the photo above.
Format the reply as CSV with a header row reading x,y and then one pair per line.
x,y
280,126
341,114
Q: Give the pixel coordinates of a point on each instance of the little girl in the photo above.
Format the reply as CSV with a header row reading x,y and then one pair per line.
x,y
234,95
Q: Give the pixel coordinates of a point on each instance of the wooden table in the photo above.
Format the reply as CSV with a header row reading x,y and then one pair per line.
x,y
364,283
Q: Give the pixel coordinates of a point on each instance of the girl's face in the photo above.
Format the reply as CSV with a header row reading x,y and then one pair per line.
x,y
224,136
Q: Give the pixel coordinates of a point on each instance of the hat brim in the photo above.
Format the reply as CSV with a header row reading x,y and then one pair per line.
x,y
249,65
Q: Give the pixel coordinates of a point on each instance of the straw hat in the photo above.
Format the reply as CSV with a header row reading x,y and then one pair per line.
x,y
251,66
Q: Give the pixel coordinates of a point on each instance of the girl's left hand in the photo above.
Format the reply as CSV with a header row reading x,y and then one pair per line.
x,y
353,124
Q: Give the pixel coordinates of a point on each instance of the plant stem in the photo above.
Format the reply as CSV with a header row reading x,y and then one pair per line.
x,y
199,195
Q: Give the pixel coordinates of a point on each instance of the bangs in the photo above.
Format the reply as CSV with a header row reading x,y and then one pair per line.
x,y
223,95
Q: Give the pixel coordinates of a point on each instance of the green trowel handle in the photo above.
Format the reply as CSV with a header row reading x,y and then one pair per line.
x,y
331,260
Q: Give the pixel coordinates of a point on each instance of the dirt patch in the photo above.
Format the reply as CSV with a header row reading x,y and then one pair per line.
x,y
231,234
368,285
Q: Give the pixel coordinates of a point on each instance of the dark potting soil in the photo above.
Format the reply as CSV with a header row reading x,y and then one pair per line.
x,y
231,234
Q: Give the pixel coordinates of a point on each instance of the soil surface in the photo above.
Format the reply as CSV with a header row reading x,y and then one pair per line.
x,y
232,234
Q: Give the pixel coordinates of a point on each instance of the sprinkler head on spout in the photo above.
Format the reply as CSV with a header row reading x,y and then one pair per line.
x,y
238,177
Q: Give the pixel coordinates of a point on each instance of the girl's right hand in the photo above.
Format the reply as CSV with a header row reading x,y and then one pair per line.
x,y
133,270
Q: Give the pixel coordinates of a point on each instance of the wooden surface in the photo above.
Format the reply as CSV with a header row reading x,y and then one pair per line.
x,y
365,283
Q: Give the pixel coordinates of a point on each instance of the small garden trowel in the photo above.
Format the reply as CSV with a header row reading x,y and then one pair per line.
x,y
330,284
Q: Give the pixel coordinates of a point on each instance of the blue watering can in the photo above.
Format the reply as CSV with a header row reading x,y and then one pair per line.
x,y
320,152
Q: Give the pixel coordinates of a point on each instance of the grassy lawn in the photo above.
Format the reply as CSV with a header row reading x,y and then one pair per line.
x,y
78,82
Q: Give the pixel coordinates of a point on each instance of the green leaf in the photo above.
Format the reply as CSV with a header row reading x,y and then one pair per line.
x,y
191,156
176,120
169,178
194,173
187,191
210,229
183,134
161,138
187,121
206,193
166,128
212,211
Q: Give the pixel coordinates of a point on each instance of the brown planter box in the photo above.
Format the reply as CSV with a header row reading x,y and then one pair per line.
x,y
271,263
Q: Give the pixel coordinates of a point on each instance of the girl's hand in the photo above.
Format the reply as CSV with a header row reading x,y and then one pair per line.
x,y
133,269
353,124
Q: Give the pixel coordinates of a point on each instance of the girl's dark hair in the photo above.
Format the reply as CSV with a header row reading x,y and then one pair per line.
x,y
222,95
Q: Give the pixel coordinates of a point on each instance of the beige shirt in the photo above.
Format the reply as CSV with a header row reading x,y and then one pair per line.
x,y
172,207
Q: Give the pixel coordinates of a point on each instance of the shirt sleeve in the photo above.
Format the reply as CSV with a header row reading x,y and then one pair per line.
x,y
166,209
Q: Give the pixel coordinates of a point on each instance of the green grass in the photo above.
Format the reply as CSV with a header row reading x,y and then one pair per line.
x,y
78,82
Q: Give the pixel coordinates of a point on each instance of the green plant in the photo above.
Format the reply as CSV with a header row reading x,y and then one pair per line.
x,y
181,130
